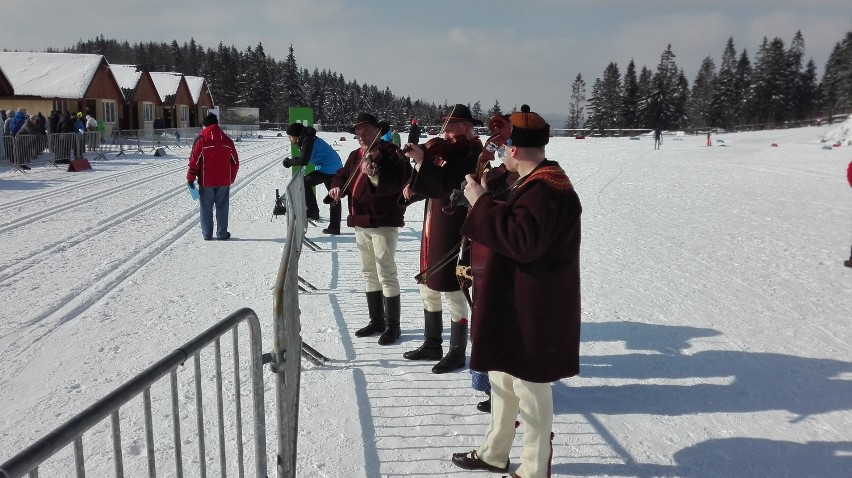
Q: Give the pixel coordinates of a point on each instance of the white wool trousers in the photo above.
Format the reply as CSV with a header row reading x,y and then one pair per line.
x,y
455,302
377,246
534,401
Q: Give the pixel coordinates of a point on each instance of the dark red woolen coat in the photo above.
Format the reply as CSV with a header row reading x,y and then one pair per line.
x,y
374,206
440,173
526,311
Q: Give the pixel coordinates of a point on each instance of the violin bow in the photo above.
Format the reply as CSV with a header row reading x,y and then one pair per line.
x,y
501,130
447,121
361,162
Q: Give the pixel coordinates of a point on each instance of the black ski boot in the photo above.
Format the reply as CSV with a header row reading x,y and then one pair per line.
x,y
377,315
392,332
431,349
455,357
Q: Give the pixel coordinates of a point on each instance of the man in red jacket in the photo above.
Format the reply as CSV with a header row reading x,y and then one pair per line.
x,y
526,310
214,161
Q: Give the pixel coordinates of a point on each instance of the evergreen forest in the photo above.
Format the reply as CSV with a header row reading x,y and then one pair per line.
x,y
775,87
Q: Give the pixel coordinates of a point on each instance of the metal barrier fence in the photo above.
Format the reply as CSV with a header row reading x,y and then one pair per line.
x,y
20,150
287,328
29,460
140,141
285,362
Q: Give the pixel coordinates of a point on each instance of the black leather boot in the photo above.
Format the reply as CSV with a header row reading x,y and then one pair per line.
x,y
431,349
377,315
455,357
392,332
485,405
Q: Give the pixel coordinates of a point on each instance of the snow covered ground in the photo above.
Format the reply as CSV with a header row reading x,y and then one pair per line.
x,y
717,335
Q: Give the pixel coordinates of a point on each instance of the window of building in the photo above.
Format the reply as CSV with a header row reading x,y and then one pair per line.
x,y
184,114
109,112
148,111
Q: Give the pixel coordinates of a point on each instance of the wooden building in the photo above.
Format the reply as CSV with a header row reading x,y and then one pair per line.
x,y
45,82
201,97
142,102
175,97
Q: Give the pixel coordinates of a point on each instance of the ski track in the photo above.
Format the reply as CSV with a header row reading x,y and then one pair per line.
x,y
30,218
35,257
74,303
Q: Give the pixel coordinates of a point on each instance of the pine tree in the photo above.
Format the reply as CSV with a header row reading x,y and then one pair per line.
x,y
293,93
700,98
194,61
258,82
611,101
742,90
596,120
177,57
577,105
833,83
495,110
664,104
475,111
644,83
808,104
630,99
769,82
723,101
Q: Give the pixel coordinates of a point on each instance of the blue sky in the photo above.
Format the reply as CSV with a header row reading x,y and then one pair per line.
x,y
462,51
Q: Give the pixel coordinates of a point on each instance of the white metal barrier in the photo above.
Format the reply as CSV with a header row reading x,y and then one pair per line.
x,y
28,461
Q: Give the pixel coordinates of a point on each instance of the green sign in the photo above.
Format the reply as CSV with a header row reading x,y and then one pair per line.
x,y
305,116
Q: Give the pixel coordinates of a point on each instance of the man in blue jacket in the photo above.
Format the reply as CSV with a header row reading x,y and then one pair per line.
x,y
18,121
326,163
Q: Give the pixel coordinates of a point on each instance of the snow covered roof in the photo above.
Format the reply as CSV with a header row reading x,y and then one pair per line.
x,y
50,75
167,85
195,84
127,77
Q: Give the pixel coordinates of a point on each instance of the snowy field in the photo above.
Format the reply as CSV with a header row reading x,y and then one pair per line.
x,y
717,334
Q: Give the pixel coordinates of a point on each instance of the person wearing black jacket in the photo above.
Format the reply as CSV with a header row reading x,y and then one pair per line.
x,y
414,132
326,163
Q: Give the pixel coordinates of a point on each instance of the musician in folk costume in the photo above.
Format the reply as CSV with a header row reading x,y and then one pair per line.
x,y
526,312
438,170
373,177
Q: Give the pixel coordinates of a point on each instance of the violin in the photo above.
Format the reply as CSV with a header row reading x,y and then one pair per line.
x,y
438,147
501,130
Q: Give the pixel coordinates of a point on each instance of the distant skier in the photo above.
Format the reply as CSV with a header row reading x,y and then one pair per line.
x,y
658,138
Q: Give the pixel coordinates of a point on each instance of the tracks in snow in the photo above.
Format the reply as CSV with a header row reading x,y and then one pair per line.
x,y
73,303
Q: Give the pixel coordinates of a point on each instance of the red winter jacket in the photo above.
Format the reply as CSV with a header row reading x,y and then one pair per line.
x,y
214,159
849,173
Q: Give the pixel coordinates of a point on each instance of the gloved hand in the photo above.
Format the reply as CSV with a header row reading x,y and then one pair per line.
x,y
287,162
191,184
